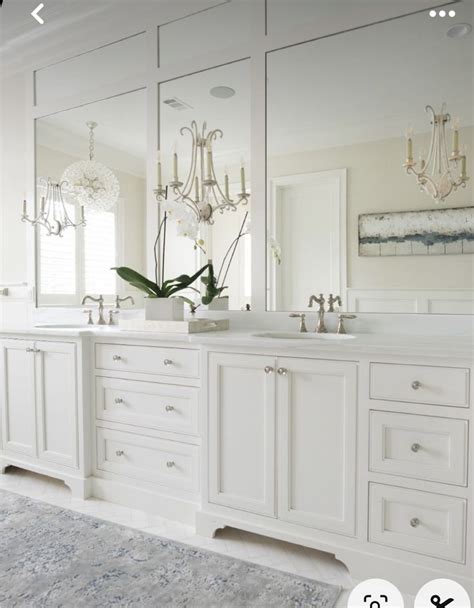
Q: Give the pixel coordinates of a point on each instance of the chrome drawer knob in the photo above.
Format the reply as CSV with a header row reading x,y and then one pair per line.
x,y
168,362
169,408
170,464
116,358
269,370
119,453
416,447
416,384
282,371
415,522
118,400
30,350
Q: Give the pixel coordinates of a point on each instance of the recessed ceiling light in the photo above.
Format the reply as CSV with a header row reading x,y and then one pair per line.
x,y
222,92
459,30
442,13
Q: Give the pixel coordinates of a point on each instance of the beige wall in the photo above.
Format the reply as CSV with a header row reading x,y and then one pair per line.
x,y
376,182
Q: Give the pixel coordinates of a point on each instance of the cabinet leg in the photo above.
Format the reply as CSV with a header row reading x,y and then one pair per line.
x,y
207,526
3,467
80,488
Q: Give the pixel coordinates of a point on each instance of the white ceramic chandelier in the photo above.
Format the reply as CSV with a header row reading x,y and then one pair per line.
x,y
201,192
53,215
442,172
90,183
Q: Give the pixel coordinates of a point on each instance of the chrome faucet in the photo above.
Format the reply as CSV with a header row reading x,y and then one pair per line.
x,y
118,300
302,318
333,300
320,327
100,301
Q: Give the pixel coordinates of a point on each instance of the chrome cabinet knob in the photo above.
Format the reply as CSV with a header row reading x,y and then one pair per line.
x,y
116,358
415,522
282,371
416,447
118,400
30,350
416,384
37,350
169,408
168,362
170,464
268,369
119,453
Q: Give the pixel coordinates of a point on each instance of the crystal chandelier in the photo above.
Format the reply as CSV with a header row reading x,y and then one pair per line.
x,y
53,214
91,183
201,191
437,174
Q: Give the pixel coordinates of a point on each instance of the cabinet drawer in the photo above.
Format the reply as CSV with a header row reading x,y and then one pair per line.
x,y
420,522
165,463
148,360
165,407
420,384
422,447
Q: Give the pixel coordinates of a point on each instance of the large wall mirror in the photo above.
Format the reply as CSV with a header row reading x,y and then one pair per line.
x,y
111,200
219,99
343,216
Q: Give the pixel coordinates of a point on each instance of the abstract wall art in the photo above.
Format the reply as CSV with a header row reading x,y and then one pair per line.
x,y
430,232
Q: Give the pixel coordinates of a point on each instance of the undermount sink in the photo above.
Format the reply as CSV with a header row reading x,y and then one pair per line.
x,y
69,326
291,335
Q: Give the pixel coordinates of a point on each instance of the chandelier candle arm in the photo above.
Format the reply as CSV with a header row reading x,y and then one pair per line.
x,y
53,215
436,175
201,191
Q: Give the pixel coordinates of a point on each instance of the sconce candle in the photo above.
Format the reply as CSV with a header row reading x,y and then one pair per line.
x,y
159,176
242,179
175,166
456,137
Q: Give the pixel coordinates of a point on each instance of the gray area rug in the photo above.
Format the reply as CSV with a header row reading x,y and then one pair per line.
x,y
51,557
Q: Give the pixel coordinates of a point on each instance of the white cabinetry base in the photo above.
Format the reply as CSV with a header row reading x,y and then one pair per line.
x,y
164,505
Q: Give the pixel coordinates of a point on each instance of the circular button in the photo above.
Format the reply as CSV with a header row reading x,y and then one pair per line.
x,y
375,593
442,593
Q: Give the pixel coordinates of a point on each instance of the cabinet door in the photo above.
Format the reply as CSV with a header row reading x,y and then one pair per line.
x,y
56,399
17,397
242,432
317,402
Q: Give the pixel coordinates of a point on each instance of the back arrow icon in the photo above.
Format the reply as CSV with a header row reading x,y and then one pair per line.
x,y
35,15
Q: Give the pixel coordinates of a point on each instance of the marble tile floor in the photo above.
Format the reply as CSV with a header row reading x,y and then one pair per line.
x,y
235,543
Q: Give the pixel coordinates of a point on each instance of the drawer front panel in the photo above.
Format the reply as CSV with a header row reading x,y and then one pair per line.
x,y
420,384
421,447
166,463
165,407
420,522
148,360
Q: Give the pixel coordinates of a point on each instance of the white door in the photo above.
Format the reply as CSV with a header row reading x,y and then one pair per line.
x,y
17,376
242,432
317,405
307,219
56,399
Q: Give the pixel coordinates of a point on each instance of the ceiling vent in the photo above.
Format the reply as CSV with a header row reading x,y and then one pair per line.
x,y
177,104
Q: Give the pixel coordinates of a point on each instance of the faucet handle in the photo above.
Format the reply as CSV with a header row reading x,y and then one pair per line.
x,y
112,312
89,320
302,316
340,326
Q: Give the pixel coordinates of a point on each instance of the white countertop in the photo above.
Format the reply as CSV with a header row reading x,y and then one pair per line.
x,y
387,344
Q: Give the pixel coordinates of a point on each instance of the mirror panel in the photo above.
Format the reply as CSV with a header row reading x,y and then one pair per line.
x,y
193,98
79,262
338,189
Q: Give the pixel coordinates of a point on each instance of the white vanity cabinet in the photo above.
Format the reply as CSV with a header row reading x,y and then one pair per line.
x,y
317,415
39,406
310,458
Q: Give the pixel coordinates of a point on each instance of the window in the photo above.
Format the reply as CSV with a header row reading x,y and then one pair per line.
x,y
80,261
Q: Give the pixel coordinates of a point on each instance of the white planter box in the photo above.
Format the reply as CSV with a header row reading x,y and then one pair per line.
x,y
164,309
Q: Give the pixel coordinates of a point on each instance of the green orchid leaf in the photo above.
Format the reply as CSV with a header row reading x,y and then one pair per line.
x,y
138,280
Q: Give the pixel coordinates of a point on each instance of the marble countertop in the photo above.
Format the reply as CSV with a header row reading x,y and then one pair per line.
x,y
387,344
